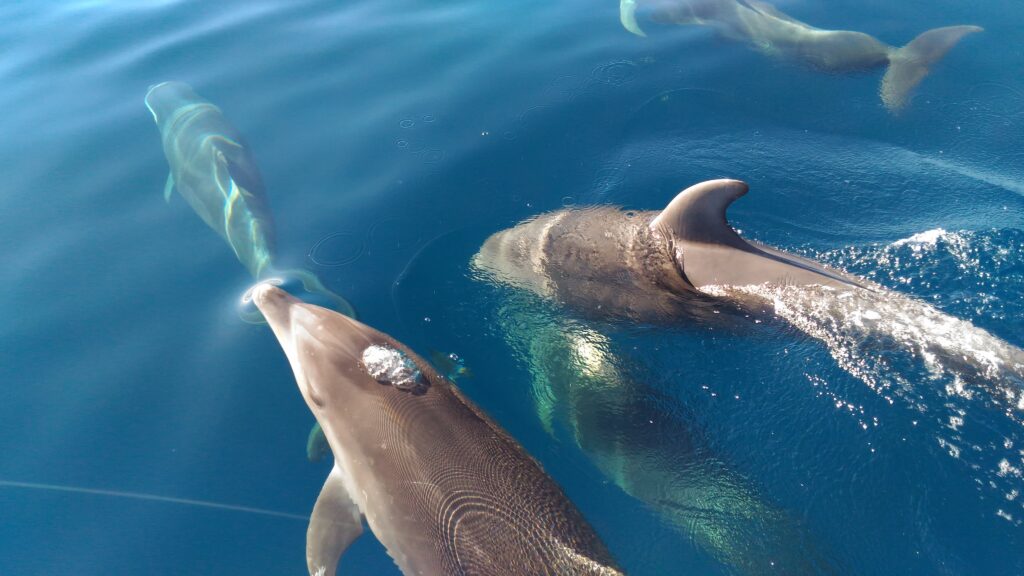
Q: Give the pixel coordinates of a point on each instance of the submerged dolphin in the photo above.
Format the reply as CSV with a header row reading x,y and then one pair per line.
x,y
444,488
678,263
644,442
214,172
764,27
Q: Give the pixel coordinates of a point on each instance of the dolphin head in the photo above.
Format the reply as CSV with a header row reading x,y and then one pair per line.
x,y
338,362
164,98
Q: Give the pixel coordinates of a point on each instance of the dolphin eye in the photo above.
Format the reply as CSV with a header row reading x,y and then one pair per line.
x,y
390,366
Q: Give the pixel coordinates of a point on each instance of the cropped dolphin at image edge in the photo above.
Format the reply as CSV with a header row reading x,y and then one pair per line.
x,y
214,172
683,262
428,470
775,33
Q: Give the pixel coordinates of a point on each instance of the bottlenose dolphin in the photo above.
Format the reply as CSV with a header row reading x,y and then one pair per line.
x,y
647,266
443,487
214,172
647,444
680,262
772,32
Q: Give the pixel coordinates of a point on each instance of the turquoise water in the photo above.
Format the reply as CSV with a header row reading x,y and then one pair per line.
x,y
393,138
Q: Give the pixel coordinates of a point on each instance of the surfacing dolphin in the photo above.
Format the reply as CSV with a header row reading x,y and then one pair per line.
x,y
443,487
663,266
772,32
650,447
214,172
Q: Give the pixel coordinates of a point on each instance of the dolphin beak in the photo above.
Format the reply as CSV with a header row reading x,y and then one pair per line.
x,y
276,306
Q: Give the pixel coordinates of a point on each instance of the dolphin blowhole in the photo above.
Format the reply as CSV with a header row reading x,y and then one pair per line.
x,y
388,365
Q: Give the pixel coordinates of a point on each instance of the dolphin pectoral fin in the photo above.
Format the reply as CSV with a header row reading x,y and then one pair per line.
x,y
335,523
316,444
709,252
627,15
169,188
909,65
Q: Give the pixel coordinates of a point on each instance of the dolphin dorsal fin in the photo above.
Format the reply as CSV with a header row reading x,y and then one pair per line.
x,y
697,214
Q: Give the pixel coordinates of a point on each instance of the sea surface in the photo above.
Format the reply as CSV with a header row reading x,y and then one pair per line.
x,y
146,429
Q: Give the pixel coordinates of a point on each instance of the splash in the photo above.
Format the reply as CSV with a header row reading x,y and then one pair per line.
x,y
150,498
861,327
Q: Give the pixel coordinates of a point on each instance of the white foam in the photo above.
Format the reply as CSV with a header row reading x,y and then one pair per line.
x,y
851,322
928,237
390,366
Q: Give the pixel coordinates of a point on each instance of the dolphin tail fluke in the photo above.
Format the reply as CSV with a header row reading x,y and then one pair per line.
x,y
312,284
317,293
627,15
910,64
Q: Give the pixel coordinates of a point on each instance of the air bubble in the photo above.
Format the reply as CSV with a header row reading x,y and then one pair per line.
x,y
390,366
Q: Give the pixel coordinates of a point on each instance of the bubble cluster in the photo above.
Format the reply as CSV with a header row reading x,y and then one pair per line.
x,y
390,366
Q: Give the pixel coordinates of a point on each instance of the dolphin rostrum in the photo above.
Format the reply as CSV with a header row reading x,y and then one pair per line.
x,y
443,487
214,172
772,32
678,263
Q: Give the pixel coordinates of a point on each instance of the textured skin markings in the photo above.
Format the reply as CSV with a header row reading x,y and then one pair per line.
x,y
444,488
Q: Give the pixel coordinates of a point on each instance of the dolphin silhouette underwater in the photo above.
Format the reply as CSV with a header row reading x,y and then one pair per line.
x,y
680,262
649,446
214,172
774,33
443,487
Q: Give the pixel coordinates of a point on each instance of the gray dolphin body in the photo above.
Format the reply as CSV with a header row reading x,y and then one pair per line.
x,y
444,488
214,172
660,267
770,31
646,266
648,446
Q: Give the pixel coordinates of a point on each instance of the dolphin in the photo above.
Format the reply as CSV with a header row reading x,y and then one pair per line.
x,y
646,266
214,172
441,485
681,262
647,444
772,32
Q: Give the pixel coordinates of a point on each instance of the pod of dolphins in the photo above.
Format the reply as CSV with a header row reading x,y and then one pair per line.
x,y
441,485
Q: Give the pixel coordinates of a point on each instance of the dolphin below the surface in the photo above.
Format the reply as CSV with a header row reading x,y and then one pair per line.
x,y
772,32
214,172
651,447
443,487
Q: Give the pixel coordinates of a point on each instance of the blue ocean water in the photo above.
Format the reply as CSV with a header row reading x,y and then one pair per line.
x,y
394,137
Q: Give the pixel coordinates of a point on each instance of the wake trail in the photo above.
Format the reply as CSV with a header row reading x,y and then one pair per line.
x,y
862,328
